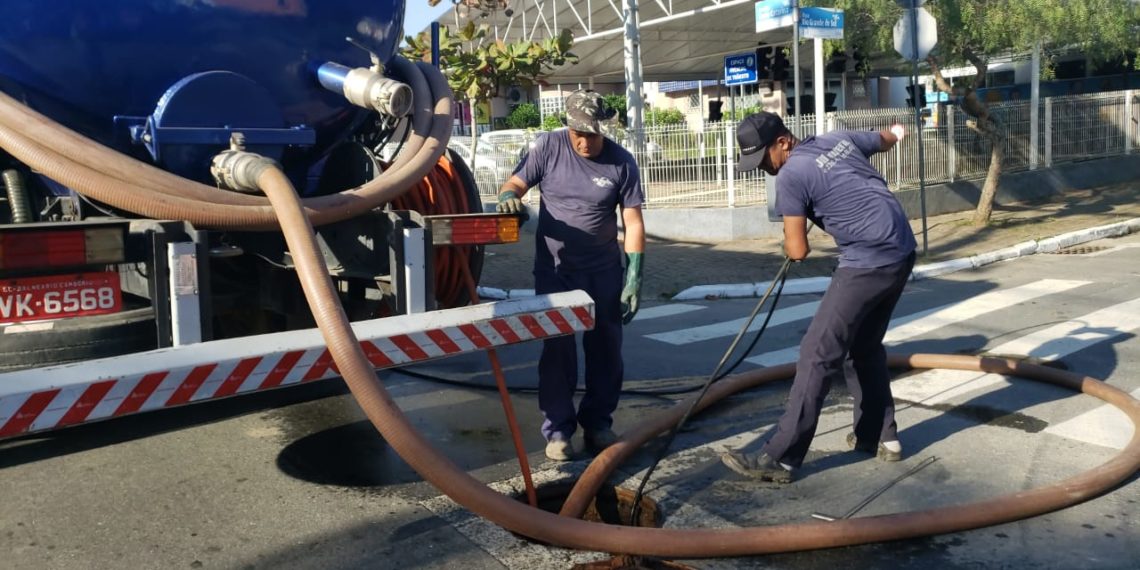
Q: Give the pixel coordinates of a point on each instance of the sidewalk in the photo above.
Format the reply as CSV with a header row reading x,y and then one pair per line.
x,y
672,267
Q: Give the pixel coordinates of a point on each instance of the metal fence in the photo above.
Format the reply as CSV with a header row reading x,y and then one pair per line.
x,y
685,167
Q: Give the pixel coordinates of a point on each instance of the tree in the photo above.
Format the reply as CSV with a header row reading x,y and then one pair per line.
x,y
971,32
477,67
618,103
524,116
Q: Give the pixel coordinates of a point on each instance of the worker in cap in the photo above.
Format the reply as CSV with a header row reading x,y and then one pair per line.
x,y
828,180
586,179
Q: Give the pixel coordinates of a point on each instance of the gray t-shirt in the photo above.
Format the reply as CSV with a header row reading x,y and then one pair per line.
x,y
829,180
577,218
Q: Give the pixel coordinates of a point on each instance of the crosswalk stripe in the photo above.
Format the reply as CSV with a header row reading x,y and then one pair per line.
x,y
1058,341
730,328
923,322
1105,426
669,310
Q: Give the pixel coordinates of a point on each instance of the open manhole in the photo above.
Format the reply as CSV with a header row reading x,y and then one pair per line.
x,y
612,505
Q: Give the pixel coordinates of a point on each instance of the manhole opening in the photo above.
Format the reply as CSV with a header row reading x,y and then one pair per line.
x,y
612,505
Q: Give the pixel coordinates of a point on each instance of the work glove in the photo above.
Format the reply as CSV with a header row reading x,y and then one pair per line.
x,y
510,203
631,293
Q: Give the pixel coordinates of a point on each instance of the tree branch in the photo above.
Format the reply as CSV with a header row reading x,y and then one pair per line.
x,y
979,64
939,80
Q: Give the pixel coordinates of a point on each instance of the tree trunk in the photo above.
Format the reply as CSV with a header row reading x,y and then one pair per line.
x,y
474,130
985,125
989,189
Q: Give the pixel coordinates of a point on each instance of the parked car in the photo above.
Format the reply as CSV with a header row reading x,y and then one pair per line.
x,y
491,165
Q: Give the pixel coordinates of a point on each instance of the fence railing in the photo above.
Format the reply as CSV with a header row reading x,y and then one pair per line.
x,y
685,167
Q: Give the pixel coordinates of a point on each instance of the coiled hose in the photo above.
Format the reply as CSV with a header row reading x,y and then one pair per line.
x,y
17,196
297,218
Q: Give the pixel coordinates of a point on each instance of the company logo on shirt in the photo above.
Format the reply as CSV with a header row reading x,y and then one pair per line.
x,y
602,182
826,162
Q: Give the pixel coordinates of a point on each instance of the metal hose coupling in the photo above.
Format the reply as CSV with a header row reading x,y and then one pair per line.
x,y
238,170
367,88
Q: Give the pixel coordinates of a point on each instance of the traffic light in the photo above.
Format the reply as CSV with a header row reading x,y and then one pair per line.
x,y
763,67
913,101
838,63
715,114
779,66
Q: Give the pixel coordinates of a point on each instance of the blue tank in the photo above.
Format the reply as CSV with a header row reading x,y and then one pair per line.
x,y
119,71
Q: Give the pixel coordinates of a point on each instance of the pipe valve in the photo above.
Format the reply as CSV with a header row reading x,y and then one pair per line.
x,y
238,170
367,88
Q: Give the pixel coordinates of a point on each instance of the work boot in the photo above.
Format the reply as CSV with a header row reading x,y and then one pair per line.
x,y
560,449
882,452
600,439
757,466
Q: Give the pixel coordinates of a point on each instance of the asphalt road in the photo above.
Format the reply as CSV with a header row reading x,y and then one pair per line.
x,y
298,479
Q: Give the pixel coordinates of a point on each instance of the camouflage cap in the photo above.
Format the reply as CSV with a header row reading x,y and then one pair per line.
x,y
584,109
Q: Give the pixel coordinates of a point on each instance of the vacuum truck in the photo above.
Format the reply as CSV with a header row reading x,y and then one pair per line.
x,y
189,186
101,100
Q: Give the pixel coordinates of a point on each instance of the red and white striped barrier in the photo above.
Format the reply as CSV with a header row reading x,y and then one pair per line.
x,y
54,397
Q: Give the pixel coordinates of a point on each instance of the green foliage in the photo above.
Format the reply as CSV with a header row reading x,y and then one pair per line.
x,y
617,102
664,117
524,116
551,122
477,68
975,30
744,112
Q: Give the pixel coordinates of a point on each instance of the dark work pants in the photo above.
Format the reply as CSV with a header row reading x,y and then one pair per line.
x,y
850,325
558,365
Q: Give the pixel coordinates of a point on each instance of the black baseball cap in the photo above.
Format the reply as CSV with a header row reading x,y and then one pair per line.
x,y
754,134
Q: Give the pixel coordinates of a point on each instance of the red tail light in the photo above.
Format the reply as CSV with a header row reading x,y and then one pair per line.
x,y
33,248
474,229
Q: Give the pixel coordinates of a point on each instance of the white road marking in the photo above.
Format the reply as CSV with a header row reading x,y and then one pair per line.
x,y
730,328
923,322
669,310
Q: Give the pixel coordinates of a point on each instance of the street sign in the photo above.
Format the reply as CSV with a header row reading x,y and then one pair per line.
x,y
823,23
905,32
910,3
740,69
773,15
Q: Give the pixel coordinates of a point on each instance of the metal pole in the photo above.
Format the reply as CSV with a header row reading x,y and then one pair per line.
x,y
730,152
435,44
918,123
1048,132
819,88
1035,107
633,83
952,142
798,130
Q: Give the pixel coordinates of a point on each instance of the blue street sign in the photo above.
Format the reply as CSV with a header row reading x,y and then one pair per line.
x,y
823,23
773,15
740,69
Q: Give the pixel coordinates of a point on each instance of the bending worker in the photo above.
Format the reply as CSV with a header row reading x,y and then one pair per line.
x,y
829,180
585,177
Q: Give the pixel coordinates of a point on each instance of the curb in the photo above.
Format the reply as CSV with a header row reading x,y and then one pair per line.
x,y
815,285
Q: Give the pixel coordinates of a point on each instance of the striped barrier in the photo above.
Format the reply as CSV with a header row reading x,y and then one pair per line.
x,y
58,396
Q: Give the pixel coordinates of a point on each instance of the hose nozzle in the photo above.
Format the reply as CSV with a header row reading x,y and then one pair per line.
x,y
368,88
238,170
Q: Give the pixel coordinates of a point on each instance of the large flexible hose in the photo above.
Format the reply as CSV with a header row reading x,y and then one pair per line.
x,y
438,470
17,196
684,543
113,178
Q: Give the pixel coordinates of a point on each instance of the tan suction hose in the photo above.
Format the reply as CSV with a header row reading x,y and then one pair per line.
x,y
121,181
296,221
674,543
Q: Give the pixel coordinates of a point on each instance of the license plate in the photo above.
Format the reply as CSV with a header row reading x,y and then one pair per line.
x,y
59,296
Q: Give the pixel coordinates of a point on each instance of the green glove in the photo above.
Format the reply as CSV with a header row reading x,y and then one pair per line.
x,y
511,203
631,293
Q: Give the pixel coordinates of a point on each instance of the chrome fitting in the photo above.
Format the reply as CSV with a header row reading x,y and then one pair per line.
x,y
239,170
